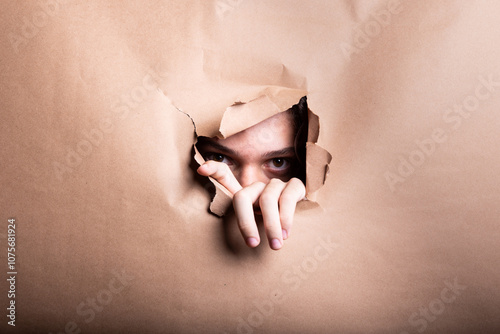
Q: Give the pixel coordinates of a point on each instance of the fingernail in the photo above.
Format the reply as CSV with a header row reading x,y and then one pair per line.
x,y
285,234
275,244
252,242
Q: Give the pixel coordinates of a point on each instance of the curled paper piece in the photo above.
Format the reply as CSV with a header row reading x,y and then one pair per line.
x,y
317,160
317,169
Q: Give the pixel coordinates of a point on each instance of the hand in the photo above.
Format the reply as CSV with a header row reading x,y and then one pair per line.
x,y
277,201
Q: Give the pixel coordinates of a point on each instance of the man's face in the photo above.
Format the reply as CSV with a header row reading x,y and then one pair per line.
x,y
259,153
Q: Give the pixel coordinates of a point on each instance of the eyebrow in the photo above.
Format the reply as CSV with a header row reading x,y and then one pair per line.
x,y
226,150
217,146
280,153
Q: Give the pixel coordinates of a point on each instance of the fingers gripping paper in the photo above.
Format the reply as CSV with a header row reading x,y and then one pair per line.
x,y
245,114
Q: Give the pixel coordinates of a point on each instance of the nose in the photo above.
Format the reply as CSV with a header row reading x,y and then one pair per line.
x,y
250,174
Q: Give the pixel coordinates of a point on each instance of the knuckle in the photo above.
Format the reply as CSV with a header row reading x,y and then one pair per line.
x,y
286,220
224,178
240,196
272,230
287,198
258,183
296,187
266,197
275,181
246,227
295,182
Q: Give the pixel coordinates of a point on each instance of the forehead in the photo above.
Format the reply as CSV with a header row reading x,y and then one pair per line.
x,y
274,133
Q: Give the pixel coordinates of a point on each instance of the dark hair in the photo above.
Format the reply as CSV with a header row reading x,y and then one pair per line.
x,y
300,114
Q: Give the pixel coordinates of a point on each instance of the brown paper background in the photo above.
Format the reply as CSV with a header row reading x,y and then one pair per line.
x,y
133,203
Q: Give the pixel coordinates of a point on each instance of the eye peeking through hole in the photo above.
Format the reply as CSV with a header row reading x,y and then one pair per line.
x,y
273,148
215,157
264,168
278,162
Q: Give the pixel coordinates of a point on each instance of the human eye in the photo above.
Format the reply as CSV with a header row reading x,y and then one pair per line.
x,y
279,162
278,165
217,157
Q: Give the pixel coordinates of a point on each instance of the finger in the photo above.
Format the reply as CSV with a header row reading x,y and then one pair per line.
x,y
243,207
270,212
294,192
221,173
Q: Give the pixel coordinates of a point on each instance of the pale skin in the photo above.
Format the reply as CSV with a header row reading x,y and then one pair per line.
x,y
259,172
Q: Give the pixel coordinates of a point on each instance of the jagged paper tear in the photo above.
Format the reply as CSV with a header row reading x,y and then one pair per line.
x,y
242,115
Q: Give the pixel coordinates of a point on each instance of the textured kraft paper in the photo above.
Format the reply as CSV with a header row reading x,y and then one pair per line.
x,y
113,233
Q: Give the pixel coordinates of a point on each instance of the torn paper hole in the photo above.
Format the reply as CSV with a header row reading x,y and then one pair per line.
x,y
259,141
